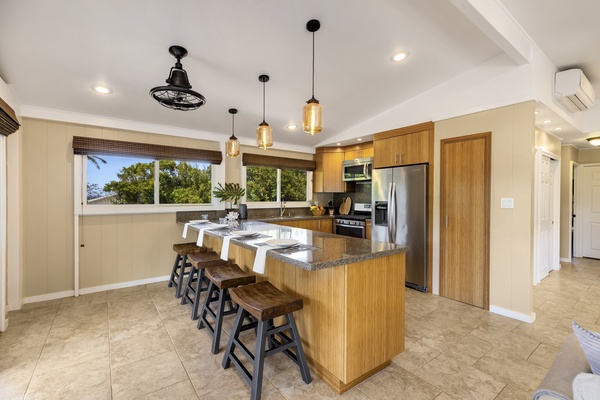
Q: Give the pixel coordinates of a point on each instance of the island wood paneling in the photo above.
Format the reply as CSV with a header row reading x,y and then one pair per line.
x,y
352,322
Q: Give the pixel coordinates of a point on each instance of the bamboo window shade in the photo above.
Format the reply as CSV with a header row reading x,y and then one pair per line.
x,y
257,160
95,146
8,119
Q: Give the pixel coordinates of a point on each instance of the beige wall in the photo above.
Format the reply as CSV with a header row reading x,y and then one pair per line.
x,y
548,142
512,175
589,156
117,249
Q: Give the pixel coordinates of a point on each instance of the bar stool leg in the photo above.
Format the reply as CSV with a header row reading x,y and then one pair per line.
x,y
175,266
202,322
181,276
219,321
199,290
259,361
188,286
237,328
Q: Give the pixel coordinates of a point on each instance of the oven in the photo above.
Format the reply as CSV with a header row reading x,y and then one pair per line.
x,y
354,225
349,227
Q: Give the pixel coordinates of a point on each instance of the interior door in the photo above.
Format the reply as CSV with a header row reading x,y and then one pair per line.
x,y
590,209
464,218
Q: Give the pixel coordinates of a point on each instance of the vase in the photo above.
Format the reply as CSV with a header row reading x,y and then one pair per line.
x,y
243,211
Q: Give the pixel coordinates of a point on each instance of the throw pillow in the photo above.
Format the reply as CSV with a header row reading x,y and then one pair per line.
x,y
586,387
590,344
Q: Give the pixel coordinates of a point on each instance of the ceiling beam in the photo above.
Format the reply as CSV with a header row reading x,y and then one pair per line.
x,y
494,20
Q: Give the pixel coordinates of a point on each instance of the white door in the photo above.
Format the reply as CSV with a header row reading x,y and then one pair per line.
x,y
546,215
590,211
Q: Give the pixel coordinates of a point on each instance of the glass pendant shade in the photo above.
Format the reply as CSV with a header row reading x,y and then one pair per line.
x,y
312,117
264,136
232,147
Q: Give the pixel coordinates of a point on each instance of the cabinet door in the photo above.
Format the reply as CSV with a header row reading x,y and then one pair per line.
x,y
368,152
414,148
332,172
326,225
385,152
368,230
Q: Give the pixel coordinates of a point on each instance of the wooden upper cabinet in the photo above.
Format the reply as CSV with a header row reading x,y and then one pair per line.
x,y
403,146
358,151
327,177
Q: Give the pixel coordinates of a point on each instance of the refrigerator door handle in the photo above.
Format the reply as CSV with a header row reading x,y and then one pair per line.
x,y
392,213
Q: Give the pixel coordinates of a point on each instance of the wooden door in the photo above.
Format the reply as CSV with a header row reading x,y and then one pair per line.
x,y
464,218
590,208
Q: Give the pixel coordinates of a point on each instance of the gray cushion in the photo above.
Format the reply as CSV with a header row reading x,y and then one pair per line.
x,y
586,387
590,344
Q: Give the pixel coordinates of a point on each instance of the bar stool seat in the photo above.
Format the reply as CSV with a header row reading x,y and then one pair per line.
x,y
265,303
197,281
221,279
181,265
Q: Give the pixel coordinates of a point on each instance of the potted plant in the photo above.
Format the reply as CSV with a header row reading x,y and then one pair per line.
x,y
230,193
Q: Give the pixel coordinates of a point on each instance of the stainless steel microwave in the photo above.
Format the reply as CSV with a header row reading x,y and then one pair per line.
x,y
359,169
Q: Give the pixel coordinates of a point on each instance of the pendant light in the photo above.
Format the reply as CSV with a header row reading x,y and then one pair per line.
x,y
264,133
232,147
179,94
312,115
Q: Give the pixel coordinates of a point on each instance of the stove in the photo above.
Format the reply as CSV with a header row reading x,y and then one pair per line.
x,y
353,224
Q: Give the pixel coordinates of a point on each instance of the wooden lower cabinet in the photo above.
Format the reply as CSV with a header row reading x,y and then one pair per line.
x,y
320,225
368,229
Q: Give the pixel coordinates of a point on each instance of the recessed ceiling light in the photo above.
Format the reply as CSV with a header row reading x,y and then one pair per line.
x,y
338,144
547,121
558,129
400,56
359,139
291,127
101,89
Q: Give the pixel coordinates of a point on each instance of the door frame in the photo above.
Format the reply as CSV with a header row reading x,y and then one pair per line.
x,y
578,192
487,136
3,237
537,247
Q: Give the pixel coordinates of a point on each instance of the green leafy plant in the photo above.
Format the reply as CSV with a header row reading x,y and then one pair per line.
x,y
230,192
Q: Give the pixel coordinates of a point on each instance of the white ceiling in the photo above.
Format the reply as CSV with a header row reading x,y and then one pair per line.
x,y
51,53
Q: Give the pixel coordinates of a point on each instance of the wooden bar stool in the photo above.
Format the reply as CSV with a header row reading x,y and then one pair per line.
x,y
221,280
197,282
182,250
265,302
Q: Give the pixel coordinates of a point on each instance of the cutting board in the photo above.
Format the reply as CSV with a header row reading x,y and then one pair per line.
x,y
346,206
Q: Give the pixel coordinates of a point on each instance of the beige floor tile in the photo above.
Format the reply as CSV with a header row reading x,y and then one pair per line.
x,y
138,347
554,336
512,392
510,342
159,286
544,355
510,368
58,357
445,318
459,380
123,328
387,384
146,376
181,390
85,299
415,355
87,380
15,378
444,396
416,328
453,343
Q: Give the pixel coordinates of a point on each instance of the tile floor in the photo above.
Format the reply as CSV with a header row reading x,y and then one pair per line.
x,y
135,344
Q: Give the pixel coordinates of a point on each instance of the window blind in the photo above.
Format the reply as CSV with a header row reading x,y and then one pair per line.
x,y
257,160
8,119
95,146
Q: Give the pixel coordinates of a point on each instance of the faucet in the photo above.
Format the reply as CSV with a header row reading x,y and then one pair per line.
x,y
282,207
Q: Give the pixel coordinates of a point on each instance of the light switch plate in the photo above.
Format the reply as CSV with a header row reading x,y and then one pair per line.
x,y
507,202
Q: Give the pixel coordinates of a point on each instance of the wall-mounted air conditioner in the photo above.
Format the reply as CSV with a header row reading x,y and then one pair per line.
x,y
573,90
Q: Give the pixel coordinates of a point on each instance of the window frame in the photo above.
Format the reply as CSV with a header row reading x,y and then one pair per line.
x,y
80,194
277,203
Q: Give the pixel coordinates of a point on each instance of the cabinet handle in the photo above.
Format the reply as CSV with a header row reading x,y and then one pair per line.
x,y
401,162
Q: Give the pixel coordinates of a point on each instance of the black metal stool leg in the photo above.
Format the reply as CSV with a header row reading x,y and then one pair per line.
x,y
205,307
299,349
174,270
218,324
235,332
189,285
181,276
259,362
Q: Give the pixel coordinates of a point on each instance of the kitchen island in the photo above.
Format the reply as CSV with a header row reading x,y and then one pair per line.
x,y
352,323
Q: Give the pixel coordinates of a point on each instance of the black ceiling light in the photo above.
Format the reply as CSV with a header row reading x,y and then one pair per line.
x,y
179,94
312,114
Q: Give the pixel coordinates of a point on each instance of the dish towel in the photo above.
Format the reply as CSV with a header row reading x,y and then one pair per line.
x,y
225,248
185,228
201,234
260,259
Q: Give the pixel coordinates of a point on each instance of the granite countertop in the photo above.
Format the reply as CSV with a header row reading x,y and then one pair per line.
x,y
317,250
293,218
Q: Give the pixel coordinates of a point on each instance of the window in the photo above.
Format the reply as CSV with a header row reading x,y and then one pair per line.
x,y
117,180
271,179
265,184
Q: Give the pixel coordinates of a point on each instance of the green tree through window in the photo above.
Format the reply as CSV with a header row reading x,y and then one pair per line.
x,y
261,184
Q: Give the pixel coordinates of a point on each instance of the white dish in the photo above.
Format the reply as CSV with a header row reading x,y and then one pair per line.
x,y
282,242
245,233
198,221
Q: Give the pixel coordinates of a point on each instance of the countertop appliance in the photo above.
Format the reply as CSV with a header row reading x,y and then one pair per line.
x,y
400,216
358,169
353,224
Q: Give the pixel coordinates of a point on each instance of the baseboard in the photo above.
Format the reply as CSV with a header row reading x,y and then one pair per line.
x,y
122,285
529,318
565,259
15,306
95,289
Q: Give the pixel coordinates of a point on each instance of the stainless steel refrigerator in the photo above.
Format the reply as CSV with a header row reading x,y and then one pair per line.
x,y
399,215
